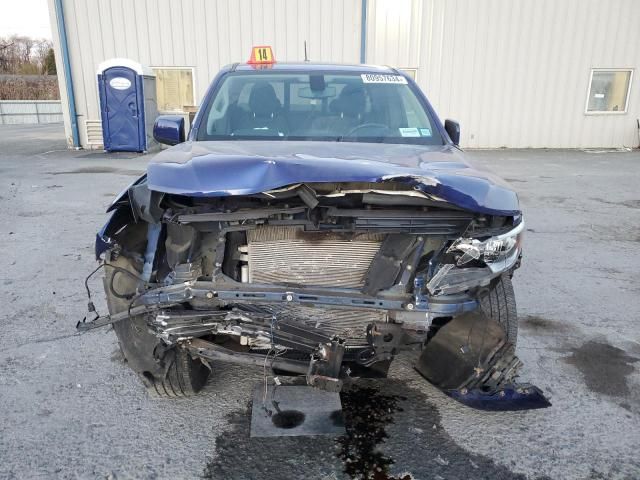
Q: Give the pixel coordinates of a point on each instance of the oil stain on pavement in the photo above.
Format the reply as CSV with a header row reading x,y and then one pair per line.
x,y
118,171
366,413
393,433
605,368
542,325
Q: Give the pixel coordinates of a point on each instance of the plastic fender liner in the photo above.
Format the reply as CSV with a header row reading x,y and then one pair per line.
x,y
471,361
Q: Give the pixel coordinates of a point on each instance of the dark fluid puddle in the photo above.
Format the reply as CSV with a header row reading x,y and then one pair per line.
x,y
93,170
542,325
605,368
366,412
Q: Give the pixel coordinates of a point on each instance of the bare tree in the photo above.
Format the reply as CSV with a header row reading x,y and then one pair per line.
x,y
6,47
29,69
23,55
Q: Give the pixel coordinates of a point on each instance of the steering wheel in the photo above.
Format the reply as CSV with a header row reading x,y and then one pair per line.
x,y
366,125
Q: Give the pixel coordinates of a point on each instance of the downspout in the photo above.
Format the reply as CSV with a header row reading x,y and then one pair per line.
x,y
64,48
363,32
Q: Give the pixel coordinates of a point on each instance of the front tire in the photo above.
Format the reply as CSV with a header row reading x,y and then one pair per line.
x,y
185,377
165,372
500,304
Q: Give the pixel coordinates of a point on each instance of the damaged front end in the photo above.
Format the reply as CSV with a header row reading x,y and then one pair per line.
x,y
326,280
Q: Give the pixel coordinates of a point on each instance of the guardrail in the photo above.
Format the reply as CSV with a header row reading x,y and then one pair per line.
x,y
30,111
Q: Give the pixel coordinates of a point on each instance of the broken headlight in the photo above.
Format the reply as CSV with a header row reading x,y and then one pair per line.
x,y
491,257
494,251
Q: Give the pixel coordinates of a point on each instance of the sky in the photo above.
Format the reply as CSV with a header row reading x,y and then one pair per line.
x,y
25,17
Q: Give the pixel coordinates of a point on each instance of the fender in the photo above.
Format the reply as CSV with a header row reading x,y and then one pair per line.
x,y
122,213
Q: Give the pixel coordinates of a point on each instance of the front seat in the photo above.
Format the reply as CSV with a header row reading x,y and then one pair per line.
x,y
347,111
264,112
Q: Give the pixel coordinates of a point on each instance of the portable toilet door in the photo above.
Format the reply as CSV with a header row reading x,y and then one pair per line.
x,y
122,105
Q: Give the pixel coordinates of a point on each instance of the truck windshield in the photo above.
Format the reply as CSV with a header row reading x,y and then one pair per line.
x,y
357,107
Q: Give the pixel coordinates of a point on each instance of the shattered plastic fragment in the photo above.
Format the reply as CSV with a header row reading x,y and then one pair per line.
x,y
433,283
471,248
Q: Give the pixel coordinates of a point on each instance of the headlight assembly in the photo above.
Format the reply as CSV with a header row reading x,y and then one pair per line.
x,y
493,251
498,254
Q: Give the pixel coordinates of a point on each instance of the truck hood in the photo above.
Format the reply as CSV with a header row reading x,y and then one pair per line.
x,y
225,168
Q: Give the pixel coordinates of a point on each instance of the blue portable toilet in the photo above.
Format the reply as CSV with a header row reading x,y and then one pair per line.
x,y
128,105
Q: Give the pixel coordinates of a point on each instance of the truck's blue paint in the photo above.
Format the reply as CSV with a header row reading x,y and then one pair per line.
x,y
509,398
122,110
169,129
224,168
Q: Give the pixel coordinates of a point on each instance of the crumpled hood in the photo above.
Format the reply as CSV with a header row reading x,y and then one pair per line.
x,y
227,168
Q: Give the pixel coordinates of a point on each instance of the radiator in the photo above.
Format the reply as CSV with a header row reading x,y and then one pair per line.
x,y
291,256
350,324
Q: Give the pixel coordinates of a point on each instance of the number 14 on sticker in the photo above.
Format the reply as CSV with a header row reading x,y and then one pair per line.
x,y
261,54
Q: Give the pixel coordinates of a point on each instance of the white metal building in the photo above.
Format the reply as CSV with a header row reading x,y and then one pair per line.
x,y
514,73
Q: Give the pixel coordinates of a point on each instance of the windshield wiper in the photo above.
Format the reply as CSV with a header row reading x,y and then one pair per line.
x,y
343,138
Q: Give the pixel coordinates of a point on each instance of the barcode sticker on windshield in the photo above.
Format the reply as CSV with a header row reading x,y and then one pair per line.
x,y
378,78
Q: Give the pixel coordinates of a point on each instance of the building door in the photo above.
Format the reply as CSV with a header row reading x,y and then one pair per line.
x,y
122,110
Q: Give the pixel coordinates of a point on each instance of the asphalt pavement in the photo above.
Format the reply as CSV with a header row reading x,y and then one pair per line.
x,y
70,408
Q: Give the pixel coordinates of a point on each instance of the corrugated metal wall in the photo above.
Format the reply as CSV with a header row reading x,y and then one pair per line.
x,y
30,111
202,34
515,73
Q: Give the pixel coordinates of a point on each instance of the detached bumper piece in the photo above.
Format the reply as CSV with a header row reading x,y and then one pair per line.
x,y
509,398
470,360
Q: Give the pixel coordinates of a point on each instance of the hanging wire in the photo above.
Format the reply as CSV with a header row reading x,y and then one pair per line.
x,y
91,306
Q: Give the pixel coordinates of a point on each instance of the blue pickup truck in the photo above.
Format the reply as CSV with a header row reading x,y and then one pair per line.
x,y
317,220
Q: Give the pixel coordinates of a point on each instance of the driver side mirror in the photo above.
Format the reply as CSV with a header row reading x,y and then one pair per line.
x,y
169,129
453,129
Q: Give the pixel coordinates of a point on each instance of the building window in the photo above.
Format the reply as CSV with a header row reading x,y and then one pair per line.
x,y
411,72
609,90
174,89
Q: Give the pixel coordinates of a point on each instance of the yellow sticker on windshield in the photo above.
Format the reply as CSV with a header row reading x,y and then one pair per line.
x,y
383,78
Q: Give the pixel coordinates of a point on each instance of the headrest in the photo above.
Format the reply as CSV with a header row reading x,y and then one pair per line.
x,y
350,102
263,100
